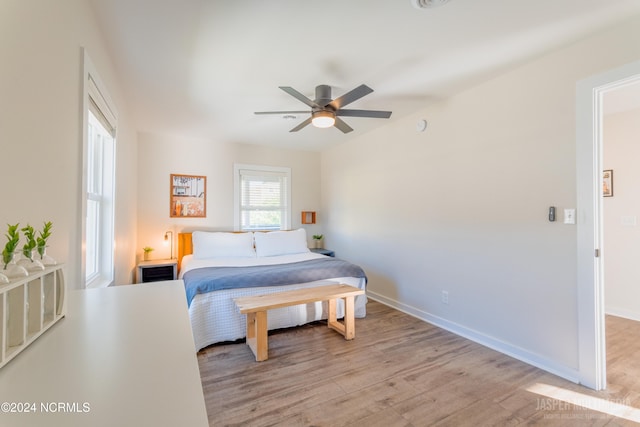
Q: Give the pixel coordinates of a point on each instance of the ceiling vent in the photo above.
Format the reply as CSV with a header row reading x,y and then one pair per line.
x,y
427,4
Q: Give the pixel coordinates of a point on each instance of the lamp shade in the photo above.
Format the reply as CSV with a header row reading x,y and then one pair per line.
x,y
323,119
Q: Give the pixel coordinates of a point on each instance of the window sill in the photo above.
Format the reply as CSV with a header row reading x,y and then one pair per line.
x,y
99,283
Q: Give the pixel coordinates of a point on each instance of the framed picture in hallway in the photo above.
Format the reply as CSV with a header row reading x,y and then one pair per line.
x,y
607,183
188,196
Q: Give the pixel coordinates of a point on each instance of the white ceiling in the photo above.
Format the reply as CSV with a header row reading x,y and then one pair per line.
x,y
200,68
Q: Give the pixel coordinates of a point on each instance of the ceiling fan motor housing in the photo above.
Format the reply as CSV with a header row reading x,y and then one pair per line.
x,y
323,95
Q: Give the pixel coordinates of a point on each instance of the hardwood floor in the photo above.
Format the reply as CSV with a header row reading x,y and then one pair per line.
x,y
400,371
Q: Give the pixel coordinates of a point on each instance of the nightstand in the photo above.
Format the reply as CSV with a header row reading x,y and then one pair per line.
x,y
323,251
157,270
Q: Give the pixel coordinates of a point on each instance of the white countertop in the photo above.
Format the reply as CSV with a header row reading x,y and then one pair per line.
x,y
122,356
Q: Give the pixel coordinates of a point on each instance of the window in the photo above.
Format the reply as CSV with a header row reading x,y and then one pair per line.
x,y
99,182
262,197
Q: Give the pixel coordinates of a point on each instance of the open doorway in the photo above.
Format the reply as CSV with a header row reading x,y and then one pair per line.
x,y
589,165
621,153
621,234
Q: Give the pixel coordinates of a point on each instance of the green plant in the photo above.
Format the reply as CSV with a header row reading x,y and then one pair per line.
x,y
13,237
41,240
317,237
30,245
147,249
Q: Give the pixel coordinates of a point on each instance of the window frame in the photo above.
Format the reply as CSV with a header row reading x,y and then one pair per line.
x,y
284,172
97,100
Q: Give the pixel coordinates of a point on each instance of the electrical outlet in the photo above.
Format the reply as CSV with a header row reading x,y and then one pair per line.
x,y
445,297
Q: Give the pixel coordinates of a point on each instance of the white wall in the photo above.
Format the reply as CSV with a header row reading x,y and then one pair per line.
x,y
621,215
40,127
160,156
463,207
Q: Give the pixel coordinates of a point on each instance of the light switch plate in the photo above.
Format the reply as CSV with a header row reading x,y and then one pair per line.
x,y
569,216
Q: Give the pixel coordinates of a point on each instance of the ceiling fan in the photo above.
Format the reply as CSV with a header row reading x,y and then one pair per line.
x,y
325,111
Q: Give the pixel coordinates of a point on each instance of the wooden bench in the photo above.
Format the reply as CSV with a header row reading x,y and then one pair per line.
x,y
255,307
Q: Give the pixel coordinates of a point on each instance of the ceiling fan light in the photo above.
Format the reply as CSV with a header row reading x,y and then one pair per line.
x,y
323,119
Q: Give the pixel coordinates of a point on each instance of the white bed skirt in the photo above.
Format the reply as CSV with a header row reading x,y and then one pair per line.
x,y
215,318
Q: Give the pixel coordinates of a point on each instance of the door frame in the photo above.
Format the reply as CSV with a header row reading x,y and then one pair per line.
x,y
592,366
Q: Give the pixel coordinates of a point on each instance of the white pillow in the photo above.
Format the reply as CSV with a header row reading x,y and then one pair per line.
x,y
281,242
219,245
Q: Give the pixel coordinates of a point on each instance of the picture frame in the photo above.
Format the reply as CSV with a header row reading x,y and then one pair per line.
x,y
187,196
607,183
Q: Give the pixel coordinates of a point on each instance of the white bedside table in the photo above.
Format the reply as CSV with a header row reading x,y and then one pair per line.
x,y
157,270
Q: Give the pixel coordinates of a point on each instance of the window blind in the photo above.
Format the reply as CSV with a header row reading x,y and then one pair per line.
x,y
264,199
100,109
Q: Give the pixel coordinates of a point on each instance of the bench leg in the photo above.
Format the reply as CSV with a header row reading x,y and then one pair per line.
x,y
348,328
257,337
349,318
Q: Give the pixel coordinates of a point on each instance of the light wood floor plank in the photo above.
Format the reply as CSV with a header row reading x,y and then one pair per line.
x,y
400,371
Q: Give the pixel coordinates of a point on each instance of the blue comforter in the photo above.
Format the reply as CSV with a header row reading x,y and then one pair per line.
x,y
203,280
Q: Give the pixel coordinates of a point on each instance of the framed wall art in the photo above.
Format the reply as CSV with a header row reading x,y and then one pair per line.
x,y
607,183
188,196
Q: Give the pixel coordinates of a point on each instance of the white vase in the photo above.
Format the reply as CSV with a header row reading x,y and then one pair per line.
x,y
43,258
30,263
11,269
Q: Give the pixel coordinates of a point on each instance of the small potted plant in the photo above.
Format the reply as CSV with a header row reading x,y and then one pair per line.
x,y
41,244
317,238
28,250
147,252
13,237
30,245
11,269
41,241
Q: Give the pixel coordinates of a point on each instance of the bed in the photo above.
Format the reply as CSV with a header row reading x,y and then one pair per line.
x,y
220,266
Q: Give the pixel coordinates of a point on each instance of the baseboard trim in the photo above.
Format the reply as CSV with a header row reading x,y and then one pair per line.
x,y
483,339
623,312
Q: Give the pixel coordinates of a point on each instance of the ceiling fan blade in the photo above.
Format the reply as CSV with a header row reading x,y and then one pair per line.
x,y
281,112
349,97
301,125
340,124
364,113
300,97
